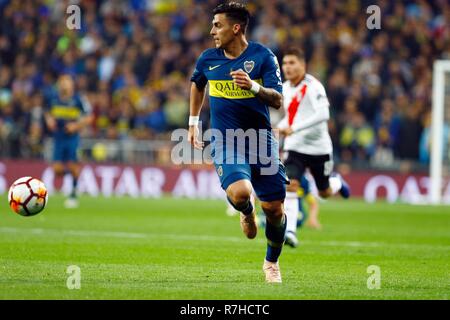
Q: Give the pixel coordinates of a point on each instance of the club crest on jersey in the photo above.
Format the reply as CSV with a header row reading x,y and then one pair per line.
x,y
220,171
248,66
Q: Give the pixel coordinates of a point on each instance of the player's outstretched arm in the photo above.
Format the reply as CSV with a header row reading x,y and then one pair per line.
x,y
195,105
269,96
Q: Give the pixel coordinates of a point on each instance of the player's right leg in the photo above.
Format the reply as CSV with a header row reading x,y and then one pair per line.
x,y
235,180
239,196
231,211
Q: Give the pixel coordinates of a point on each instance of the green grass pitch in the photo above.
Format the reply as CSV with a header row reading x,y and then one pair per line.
x,y
189,249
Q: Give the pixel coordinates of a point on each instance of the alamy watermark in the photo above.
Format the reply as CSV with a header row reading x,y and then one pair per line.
x,y
73,21
74,278
374,280
231,146
373,22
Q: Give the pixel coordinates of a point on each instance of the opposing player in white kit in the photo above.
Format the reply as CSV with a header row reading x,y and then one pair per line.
x,y
307,143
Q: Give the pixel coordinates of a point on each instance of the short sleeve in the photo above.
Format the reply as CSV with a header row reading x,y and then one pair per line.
x,y
271,73
198,76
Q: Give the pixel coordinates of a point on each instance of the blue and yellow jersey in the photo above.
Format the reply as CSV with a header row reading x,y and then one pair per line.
x,y
65,111
232,107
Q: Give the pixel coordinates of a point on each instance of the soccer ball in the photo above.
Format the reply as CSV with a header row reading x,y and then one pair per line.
x,y
27,196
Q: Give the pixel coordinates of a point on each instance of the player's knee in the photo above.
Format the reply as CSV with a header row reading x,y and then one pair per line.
x,y
293,186
273,210
239,192
58,169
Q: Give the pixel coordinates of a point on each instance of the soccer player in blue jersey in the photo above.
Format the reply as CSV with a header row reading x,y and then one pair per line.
x,y
65,116
244,79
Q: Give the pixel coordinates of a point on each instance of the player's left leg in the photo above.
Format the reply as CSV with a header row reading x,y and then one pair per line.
x,y
275,232
271,190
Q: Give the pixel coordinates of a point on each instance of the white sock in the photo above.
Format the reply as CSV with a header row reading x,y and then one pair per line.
x,y
291,210
335,184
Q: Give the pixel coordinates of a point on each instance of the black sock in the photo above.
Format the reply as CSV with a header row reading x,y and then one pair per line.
x,y
275,239
74,188
246,208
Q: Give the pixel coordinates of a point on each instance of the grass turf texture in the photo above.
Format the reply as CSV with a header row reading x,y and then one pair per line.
x,y
189,249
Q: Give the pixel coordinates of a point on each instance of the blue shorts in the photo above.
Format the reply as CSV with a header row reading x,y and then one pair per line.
x,y
267,187
65,149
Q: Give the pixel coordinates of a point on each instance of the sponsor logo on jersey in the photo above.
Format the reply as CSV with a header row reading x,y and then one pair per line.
x,y
229,90
65,112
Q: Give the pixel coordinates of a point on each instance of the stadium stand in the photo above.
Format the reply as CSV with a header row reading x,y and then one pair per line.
x,y
132,60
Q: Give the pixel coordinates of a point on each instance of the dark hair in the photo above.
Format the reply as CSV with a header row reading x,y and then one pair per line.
x,y
295,51
236,12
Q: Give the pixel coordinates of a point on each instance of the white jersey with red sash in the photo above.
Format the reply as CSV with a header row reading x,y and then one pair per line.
x,y
302,102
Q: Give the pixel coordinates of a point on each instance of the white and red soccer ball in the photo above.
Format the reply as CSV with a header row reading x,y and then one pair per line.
x,y
27,196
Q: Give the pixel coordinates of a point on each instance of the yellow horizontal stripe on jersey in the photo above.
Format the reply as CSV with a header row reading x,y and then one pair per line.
x,y
65,112
229,90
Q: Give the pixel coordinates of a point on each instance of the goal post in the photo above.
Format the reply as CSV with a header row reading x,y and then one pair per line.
x,y
440,68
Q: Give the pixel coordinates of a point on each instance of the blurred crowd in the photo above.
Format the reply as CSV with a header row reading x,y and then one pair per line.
x,y
132,60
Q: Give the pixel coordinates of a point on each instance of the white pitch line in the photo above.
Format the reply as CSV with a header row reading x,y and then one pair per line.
x,y
131,235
